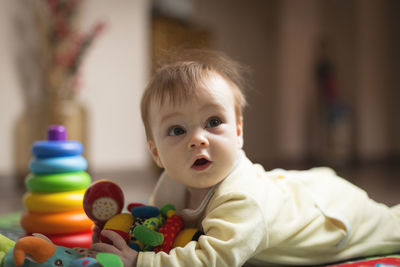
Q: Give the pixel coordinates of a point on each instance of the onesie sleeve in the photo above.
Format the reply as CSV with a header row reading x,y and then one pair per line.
x,y
235,230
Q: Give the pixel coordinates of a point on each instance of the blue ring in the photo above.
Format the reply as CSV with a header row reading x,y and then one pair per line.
x,y
48,149
58,165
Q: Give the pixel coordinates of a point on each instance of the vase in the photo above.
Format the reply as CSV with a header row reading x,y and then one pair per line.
x,y
32,126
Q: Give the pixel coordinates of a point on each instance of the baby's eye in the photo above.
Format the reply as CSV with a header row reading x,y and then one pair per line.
x,y
176,130
213,122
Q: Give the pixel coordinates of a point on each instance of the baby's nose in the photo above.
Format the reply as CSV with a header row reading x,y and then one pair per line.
x,y
198,140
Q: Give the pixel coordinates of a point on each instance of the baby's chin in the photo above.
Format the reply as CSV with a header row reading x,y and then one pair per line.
x,y
204,184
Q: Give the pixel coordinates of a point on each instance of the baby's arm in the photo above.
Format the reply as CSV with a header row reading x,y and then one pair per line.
x,y
96,233
235,230
119,247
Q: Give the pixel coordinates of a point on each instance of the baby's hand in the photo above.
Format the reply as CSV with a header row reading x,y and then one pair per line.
x,y
96,234
119,247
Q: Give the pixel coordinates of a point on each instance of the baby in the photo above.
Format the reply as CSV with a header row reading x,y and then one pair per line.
x,y
192,113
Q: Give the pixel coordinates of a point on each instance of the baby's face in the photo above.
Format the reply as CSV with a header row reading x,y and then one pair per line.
x,y
197,141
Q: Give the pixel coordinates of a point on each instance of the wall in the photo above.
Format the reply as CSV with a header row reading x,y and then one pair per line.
x,y
114,74
276,38
247,34
373,72
10,91
279,40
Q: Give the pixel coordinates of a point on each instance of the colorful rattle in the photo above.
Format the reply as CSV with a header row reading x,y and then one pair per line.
x,y
145,228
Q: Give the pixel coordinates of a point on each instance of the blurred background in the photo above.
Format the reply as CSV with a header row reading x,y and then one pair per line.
x,y
325,87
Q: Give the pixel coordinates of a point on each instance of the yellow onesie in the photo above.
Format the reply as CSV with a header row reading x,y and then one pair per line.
x,y
278,217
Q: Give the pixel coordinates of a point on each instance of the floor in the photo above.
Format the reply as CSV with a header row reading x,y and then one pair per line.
x,y
381,181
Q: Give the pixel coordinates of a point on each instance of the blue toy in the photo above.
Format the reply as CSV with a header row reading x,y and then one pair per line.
x,y
39,251
47,149
57,145
58,164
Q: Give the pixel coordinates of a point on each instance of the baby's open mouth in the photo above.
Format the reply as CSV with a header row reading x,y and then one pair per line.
x,y
201,164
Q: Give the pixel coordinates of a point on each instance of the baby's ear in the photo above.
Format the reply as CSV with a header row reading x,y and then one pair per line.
x,y
154,153
239,132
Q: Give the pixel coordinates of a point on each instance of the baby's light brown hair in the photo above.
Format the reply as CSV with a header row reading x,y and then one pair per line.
x,y
179,77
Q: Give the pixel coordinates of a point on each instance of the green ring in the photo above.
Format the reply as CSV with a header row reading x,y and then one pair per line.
x,y
59,182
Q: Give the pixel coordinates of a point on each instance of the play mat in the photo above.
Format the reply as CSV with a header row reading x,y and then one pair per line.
x,y
9,225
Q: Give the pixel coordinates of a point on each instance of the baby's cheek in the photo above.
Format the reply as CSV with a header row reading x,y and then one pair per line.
x,y
228,157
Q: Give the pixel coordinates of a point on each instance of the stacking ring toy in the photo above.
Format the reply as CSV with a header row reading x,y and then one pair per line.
x,y
58,165
54,202
75,240
56,223
60,182
48,149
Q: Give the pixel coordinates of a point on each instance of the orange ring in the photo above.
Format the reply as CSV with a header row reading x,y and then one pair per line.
x,y
56,223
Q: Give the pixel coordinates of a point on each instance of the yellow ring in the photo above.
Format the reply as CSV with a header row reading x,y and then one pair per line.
x,y
54,202
56,223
